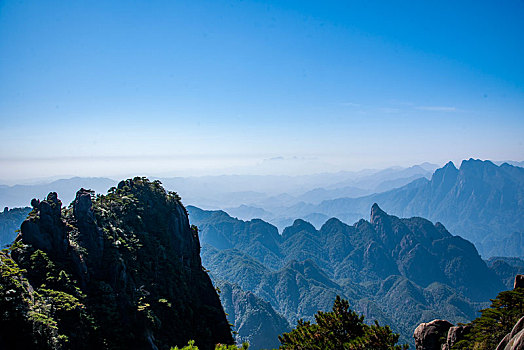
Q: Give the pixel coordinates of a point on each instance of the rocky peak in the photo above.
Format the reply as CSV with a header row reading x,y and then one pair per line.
x,y
377,214
82,206
333,225
299,225
90,237
444,178
129,256
475,164
44,228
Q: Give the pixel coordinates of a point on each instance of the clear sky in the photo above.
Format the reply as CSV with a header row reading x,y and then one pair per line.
x,y
108,88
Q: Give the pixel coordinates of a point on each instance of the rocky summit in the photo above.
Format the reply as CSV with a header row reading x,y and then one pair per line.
x,y
115,271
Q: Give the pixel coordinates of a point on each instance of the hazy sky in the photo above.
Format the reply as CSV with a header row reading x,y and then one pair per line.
x,y
190,87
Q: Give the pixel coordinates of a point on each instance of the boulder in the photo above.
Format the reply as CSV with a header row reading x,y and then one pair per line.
x,y
515,339
456,334
431,335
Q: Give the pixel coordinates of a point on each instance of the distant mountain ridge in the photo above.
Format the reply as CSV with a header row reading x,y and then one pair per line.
x,y
228,191
21,195
399,271
480,201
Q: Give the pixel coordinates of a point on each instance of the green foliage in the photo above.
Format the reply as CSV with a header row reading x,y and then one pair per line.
x,y
25,317
340,328
191,346
114,278
495,322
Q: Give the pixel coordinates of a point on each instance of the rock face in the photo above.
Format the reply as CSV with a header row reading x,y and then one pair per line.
x,y
119,271
515,339
519,282
455,334
46,230
430,336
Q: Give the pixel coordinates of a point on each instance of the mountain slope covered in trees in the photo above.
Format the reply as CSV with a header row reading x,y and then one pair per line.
x,y
254,320
398,271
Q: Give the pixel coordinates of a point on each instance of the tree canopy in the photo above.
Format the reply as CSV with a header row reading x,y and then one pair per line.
x,y
341,329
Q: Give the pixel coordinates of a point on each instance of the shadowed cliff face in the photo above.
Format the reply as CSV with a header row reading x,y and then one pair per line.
x,y
127,263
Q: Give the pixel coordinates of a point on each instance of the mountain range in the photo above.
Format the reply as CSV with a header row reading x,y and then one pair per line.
x,y
480,201
400,272
226,191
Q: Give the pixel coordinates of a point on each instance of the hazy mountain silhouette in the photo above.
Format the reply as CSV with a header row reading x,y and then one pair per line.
x,y
480,201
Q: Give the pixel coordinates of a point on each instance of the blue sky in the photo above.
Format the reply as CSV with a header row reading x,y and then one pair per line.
x,y
109,88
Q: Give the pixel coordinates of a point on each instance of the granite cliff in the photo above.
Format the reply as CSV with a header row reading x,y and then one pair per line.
x,y
115,271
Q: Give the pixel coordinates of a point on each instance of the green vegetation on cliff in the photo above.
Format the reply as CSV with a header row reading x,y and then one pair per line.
x,y
115,271
495,322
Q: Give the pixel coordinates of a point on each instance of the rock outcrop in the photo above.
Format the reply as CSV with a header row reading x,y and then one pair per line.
x,y
439,335
455,334
45,229
119,271
515,339
519,282
431,335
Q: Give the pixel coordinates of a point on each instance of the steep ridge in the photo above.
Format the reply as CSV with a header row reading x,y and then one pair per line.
x,y
119,271
398,271
253,319
480,201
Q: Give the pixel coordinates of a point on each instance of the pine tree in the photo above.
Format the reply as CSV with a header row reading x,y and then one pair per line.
x,y
341,329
